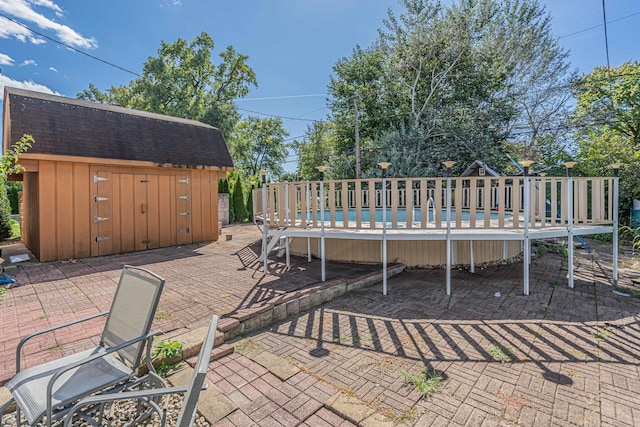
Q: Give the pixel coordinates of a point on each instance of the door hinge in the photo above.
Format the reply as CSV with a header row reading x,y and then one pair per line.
x,y
184,230
144,180
97,178
185,197
185,213
100,199
184,181
146,241
100,238
99,218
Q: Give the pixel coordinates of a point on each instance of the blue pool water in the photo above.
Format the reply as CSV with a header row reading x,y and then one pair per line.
x,y
402,215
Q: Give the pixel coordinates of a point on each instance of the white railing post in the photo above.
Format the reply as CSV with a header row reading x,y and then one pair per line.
x,y
384,166
308,219
616,183
448,165
569,166
265,224
287,223
321,169
527,218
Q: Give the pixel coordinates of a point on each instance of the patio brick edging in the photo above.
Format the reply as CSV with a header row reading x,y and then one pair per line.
x,y
278,308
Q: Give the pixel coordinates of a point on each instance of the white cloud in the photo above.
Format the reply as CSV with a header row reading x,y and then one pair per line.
x,y
53,69
171,3
27,84
28,62
47,3
5,59
23,10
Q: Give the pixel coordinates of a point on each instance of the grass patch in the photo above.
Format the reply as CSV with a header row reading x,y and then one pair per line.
x,y
426,382
162,314
501,353
3,292
15,230
600,334
633,292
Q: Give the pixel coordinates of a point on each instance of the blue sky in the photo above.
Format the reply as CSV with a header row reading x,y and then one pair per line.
x,y
292,44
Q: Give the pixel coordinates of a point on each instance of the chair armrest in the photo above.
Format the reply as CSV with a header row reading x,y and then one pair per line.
x,y
79,363
125,395
51,329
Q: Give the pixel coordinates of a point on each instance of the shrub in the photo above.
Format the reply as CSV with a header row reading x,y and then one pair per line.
x,y
239,209
5,212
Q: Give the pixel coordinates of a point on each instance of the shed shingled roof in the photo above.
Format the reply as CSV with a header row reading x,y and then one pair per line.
x,y
72,127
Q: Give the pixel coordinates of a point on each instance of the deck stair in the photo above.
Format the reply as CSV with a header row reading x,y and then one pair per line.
x,y
274,244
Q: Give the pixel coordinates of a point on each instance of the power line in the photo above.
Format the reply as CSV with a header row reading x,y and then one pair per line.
x,y
269,98
277,116
68,46
599,25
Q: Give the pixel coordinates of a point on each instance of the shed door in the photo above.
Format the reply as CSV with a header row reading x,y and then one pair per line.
x,y
134,211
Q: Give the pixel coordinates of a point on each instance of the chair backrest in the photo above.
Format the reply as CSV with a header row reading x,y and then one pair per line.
x,y
190,403
132,310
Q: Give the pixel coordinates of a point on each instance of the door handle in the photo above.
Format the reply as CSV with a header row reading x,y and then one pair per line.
x,y
144,208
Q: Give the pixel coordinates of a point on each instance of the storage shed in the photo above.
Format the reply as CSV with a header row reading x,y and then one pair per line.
x,y
102,179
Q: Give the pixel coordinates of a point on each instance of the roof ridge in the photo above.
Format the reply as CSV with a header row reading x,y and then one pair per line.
x,y
107,107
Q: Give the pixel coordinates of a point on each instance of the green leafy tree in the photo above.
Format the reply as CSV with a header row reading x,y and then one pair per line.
x,y
455,81
183,81
607,117
317,149
259,143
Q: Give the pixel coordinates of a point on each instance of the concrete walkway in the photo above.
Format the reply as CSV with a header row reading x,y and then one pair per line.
x,y
557,357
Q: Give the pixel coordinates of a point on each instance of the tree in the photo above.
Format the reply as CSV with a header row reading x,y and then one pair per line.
x,y
8,165
607,118
182,81
316,149
239,209
259,143
449,82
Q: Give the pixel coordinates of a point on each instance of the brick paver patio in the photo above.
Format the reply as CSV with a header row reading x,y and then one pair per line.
x,y
557,357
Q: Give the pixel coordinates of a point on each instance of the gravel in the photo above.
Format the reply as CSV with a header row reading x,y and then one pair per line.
x,y
125,411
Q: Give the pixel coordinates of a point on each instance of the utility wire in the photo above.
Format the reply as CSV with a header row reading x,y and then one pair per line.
x,y
606,36
68,46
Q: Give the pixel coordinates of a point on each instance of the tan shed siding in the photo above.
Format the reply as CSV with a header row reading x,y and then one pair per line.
x,y
81,224
410,253
64,210
47,212
31,214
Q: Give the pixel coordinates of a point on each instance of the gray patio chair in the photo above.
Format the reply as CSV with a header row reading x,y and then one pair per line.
x,y
147,405
49,389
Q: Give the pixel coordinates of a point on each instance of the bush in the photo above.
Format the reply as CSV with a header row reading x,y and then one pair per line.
x,y
5,212
13,188
239,210
249,205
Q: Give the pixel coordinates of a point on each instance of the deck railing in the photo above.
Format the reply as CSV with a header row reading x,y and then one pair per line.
x,y
420,203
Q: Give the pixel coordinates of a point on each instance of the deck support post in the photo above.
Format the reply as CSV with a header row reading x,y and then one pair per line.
x,y
321,169
265,224
616,195
384,166
287,223
569,166
527,218
472,266
448,165
308,219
